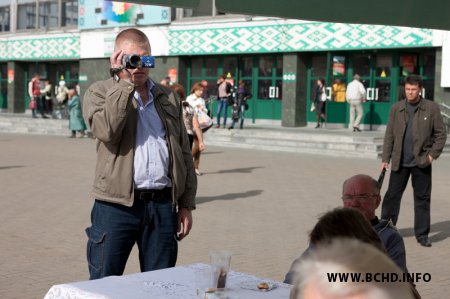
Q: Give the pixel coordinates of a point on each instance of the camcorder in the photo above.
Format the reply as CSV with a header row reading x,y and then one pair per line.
x,y
135,61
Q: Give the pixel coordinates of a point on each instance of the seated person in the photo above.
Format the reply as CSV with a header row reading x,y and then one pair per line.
x,y
340,222
363,193
346,256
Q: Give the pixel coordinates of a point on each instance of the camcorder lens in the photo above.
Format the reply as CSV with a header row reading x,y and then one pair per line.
x,y
135,61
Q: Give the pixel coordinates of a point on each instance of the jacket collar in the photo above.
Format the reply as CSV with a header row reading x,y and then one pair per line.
x,y
421,104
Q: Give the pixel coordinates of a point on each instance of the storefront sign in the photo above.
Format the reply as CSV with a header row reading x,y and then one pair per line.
x,y
82,78
107,14
289,77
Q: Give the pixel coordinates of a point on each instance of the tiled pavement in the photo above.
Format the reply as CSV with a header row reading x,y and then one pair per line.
x,y
259,204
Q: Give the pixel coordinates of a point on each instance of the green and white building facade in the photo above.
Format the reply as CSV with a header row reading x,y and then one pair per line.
x,y
280,60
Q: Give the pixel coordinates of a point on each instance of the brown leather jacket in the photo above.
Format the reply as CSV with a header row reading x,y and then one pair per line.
x,y
429,133
111,111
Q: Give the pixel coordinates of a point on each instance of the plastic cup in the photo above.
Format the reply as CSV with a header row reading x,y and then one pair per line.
x,y
206,280
220,260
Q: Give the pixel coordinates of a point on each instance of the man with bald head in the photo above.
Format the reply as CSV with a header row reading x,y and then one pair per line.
x,y
144,185
362,192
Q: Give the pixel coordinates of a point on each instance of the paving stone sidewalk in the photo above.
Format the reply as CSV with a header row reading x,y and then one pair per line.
x,y
259,204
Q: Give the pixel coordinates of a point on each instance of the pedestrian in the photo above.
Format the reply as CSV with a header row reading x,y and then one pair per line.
x,y
145,185
190,118
240,105
76,122
320,98
224,91
46,94
198,103
415,136
355,95
62,98
34,91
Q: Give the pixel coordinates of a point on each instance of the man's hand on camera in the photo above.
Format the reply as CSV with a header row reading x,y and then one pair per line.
x,y
116,63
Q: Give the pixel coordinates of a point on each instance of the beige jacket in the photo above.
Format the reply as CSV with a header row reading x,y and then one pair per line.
x,y
111,111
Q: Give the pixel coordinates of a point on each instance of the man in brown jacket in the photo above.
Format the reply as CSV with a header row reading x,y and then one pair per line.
x,y
414,138
144,185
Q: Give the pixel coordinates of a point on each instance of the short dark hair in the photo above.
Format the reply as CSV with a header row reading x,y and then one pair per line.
x,y
414,80
344,222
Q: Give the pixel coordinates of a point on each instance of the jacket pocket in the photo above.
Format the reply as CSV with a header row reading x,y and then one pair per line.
x,y
95,250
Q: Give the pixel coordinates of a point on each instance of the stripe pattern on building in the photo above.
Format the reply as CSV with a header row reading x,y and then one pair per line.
x,y
295,37
40,48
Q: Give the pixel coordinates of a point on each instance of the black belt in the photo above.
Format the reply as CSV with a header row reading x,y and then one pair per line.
x,y
164,194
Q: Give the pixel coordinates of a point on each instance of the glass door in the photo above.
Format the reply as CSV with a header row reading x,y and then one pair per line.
x,y
333,69
269,86
3,86
376,74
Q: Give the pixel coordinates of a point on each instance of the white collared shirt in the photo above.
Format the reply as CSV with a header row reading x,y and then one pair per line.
x,y
151,153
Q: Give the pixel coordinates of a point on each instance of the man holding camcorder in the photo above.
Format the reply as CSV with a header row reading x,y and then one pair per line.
x,y
145,185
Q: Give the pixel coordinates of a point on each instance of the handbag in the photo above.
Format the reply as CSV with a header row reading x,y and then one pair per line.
x,y
32,104
323,96
313,107
204,120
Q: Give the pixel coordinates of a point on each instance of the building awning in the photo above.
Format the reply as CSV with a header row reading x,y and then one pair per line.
x,y
421,14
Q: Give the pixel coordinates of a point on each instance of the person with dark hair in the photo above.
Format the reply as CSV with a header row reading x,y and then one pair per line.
x,y
415,136
344,222
240,105
320,101
144,183
340,222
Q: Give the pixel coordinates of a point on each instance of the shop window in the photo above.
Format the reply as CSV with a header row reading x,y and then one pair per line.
x,y
211,66
361,65
4,19
196,67
408,65
247,66
383,65
429,64
26,16
48,14
230,66
69,13
319,66
266,64
338,65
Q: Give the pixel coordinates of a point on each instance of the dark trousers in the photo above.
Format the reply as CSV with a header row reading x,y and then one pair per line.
x,y
421,183
151,224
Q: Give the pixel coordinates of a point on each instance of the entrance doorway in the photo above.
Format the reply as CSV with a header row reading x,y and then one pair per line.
x,y
262,75
382,74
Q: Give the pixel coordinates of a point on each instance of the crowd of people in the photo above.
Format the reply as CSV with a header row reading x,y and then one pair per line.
x,y
149,139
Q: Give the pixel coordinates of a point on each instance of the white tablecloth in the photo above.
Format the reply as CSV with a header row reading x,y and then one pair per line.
x,y
172,283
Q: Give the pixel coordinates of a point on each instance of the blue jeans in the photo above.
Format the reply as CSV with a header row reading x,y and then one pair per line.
x,y
223,104
241,117
116,228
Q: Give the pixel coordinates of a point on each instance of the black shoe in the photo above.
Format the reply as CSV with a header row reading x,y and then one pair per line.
x,y
318,126
424,241
356,129
230,128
